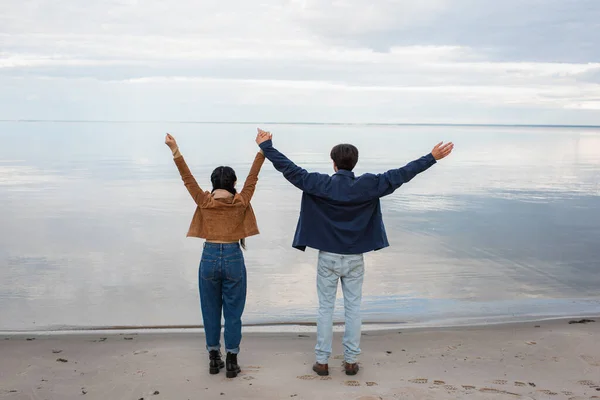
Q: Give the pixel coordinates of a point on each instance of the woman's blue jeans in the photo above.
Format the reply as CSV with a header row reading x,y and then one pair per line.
x,y
222,281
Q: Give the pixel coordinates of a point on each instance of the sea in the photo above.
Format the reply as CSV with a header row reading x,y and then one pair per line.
x,y
93,222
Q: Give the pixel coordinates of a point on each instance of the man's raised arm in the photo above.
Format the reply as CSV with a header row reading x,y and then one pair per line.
x,y
391,180
311,183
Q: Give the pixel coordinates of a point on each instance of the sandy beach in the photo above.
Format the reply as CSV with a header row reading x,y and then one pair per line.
x,y
550,359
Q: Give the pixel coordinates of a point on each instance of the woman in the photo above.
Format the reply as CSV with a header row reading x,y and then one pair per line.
x,y
224,218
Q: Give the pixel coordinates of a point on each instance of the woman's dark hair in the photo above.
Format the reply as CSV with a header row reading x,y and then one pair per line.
x,y
224,178
345,156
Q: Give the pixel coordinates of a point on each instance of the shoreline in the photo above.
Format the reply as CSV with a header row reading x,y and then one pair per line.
x,y
439,313
303,327
529,360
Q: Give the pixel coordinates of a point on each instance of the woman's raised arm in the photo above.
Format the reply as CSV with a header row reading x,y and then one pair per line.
x,y
188,179
252,179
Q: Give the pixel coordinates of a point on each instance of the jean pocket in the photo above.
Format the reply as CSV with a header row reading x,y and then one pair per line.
x,y
356,268
208,269
325,271
234,268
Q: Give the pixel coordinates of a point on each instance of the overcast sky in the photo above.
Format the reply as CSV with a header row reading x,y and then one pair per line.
x,y
456,61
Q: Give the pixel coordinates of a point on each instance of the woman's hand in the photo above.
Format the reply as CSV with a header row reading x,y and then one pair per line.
x,y
171,142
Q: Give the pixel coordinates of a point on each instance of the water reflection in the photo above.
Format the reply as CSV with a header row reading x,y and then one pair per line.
x,y
94,220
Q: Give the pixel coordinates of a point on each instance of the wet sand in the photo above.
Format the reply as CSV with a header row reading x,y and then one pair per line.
x,y
551,359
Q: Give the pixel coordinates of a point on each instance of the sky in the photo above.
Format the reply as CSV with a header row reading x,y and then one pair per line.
x,y
356,61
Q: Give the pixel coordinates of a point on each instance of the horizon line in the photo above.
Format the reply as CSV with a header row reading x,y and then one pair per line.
x,y
521,125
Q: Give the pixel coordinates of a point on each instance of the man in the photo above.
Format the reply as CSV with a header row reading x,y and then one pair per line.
x,y
340,216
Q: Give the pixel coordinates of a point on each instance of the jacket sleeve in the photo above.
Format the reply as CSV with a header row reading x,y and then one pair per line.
x,y
188,180
391,180
311,183
250,184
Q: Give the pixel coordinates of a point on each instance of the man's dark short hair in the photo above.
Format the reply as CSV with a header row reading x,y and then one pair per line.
x,y
345,156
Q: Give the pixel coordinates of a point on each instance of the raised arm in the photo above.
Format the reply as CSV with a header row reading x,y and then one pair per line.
x,y
311,183
250,184
188,179
391,180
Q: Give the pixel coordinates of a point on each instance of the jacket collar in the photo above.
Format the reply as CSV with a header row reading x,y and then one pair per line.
x,y
221,194
345,172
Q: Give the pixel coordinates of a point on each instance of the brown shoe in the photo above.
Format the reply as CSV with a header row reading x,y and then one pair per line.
x,y
351,369
321,369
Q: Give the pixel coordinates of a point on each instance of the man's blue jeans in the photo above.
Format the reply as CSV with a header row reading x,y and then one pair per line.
x,y
350,269
222,281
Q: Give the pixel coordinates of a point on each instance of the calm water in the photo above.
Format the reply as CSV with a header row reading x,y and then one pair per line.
x,y
93,220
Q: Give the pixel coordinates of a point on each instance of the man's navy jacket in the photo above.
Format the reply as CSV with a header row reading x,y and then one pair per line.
x,y
342,213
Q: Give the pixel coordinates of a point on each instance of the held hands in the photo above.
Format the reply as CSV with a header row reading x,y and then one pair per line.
x,y
442,150
263,136
170,141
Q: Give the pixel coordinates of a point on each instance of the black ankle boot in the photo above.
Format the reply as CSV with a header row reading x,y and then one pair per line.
x,y
233,369
216,364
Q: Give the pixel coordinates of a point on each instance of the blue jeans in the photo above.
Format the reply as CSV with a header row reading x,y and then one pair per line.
x,y
222,281
350,269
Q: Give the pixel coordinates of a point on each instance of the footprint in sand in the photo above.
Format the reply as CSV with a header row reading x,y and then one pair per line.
x,y
325,378
419,380
439,382
593,361
248,378
566,393
489,390
450,388
469,387
587,383
372,384
496,391
520,384
307,377
548,392
500,382
352,383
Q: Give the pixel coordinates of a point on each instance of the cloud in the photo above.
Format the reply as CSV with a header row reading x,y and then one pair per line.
x,y
485,61
549,30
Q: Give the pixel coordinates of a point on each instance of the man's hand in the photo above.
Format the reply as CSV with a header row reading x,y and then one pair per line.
x,y
442,150
263,136
170,141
